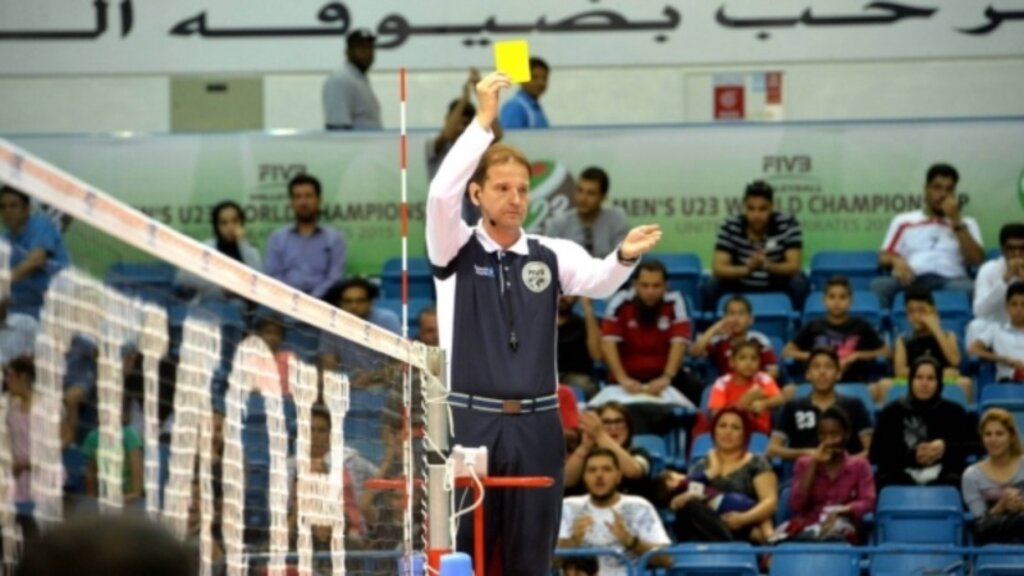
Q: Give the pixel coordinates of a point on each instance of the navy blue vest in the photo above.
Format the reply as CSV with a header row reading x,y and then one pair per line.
x,y
503,344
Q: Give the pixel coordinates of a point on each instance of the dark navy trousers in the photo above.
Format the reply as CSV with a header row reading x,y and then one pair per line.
x,y
521,524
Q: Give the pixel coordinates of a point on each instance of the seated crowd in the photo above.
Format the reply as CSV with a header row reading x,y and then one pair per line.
x,y
789,419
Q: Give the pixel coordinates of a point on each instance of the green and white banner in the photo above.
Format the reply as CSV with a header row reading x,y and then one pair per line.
x,y
843,181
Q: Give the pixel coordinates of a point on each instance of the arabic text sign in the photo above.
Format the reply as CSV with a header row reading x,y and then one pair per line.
x,y
844,182
149,36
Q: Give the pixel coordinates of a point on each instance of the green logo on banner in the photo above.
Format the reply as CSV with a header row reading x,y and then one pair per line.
x,y
1020,189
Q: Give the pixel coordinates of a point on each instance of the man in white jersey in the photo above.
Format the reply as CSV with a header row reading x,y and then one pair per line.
x,y
932,247
605,518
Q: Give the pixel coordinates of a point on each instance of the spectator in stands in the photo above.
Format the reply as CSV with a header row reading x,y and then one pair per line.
x,y
428,327
605,518
356,296
228,221
994,277
579,344
926,437
523,110
759,250
926,338
348,99
735,492
644,334
306,256
269,327
598,228
19,380
320,463
460,113
747,388
832,490
796,431
105,546
37,250
734,327
932,247
993,488
854,339
611,427
131,468
1003,345
17,333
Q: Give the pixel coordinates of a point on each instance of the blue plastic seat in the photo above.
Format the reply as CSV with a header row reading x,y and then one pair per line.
x,y
1009,396
135,273
920,515
421,278
860,267
999,559
701,445
684,272
655,446
829,560
901,562
712,559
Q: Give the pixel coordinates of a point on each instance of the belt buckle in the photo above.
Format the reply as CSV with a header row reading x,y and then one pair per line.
x,y
511,406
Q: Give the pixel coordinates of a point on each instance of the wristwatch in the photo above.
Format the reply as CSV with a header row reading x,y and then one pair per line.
x,y
625,261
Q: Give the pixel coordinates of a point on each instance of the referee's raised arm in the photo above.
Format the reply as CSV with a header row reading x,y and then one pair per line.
x,y
446,232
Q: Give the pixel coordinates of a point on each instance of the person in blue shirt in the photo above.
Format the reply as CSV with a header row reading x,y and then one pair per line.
x,y
37,250
523,110
305,255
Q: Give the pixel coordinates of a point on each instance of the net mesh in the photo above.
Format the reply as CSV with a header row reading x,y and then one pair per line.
x,y
270,430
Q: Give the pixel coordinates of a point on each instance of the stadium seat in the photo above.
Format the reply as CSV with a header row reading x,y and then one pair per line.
x,y
860,267
1009,396
827,560
421,278
773,313
701,445
684,273
655,446
902,562
999,560
864,305
712,559
140,273
920,515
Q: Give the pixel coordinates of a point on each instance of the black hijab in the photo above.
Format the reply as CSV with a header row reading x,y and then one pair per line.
x,y
915,403
227,247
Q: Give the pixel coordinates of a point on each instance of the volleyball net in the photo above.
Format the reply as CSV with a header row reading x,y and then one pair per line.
x,y
153,374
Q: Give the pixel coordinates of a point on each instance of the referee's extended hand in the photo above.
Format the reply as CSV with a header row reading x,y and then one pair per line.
x,y
640,240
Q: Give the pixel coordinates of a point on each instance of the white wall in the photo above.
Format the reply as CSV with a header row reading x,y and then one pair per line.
x,y
582,96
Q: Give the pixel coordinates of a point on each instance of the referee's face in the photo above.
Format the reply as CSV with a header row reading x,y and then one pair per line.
x,y
505,196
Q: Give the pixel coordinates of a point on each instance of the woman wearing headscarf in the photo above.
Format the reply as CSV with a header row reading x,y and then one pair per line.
x,y
228,221
922,438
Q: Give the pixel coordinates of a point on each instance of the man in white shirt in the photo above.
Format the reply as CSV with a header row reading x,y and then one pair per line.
x,y
604,518
994,277
932,247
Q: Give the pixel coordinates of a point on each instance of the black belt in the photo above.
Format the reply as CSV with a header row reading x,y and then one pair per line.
x,y
501,406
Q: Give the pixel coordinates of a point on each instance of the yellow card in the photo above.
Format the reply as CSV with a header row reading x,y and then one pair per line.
x,y
513,58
